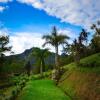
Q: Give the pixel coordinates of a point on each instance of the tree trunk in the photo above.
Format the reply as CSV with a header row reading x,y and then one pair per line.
x,y
43,65
56,71
41,69
56,58
77,58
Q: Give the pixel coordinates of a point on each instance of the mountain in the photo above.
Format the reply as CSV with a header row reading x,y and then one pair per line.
x,y
18,61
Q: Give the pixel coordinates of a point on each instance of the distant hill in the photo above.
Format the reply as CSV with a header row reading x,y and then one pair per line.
x,y
19,60
82,82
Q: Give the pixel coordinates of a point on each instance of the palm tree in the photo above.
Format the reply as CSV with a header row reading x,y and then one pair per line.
x,y
95,42
78,46
55,40
96,28
84,35
40,55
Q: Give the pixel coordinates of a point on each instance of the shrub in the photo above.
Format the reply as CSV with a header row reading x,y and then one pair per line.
x,y
14,93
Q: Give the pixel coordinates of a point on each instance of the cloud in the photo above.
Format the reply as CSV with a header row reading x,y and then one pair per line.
x,y
78,12
34,3
2,8
3,31
20,41
5,1
72,35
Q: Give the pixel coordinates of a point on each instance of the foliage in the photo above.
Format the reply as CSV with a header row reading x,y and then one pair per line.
x,y
4,40
55,40
28,68
95,42
65,59
15,66
40,55
82,82
11,92
78,46
92,61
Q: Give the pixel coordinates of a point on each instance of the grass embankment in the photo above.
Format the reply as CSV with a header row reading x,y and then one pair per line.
x,y
83,83
42,90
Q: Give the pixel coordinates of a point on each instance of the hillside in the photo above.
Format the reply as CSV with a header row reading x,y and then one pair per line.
x,y
17,62
82,83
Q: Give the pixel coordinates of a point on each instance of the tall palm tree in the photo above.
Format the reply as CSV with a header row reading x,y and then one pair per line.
x,y
78,46
55,40
84,35
95,42
96,28
40,55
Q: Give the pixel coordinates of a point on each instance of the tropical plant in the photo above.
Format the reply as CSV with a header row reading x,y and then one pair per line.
x,y
40,55
78,47
96,28
95,42
55,40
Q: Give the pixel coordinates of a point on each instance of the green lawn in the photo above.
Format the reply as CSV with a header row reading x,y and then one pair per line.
x,y
42,90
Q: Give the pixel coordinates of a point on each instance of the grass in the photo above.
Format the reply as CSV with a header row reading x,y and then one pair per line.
x,y
91,61
42,90
89,64
82,82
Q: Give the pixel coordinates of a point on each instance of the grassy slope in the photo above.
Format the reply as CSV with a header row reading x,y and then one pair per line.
x,y
42,90
82,83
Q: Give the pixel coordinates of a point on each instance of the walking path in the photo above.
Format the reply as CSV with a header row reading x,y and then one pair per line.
x,y
42,90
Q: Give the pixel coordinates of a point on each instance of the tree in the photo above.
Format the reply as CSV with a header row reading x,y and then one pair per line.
x,y
96,28
78,47
95,42
4,41
40,55
55,40
28,68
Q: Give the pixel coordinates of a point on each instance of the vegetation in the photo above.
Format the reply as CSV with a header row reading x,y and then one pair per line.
x,y
4,40
55,40
28,68
40,55
9,89
79,82
42,89
82,82
95,42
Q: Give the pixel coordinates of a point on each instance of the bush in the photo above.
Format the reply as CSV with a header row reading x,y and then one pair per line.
x,y
14,93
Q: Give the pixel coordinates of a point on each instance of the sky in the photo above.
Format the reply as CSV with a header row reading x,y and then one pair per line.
x,y
26,21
